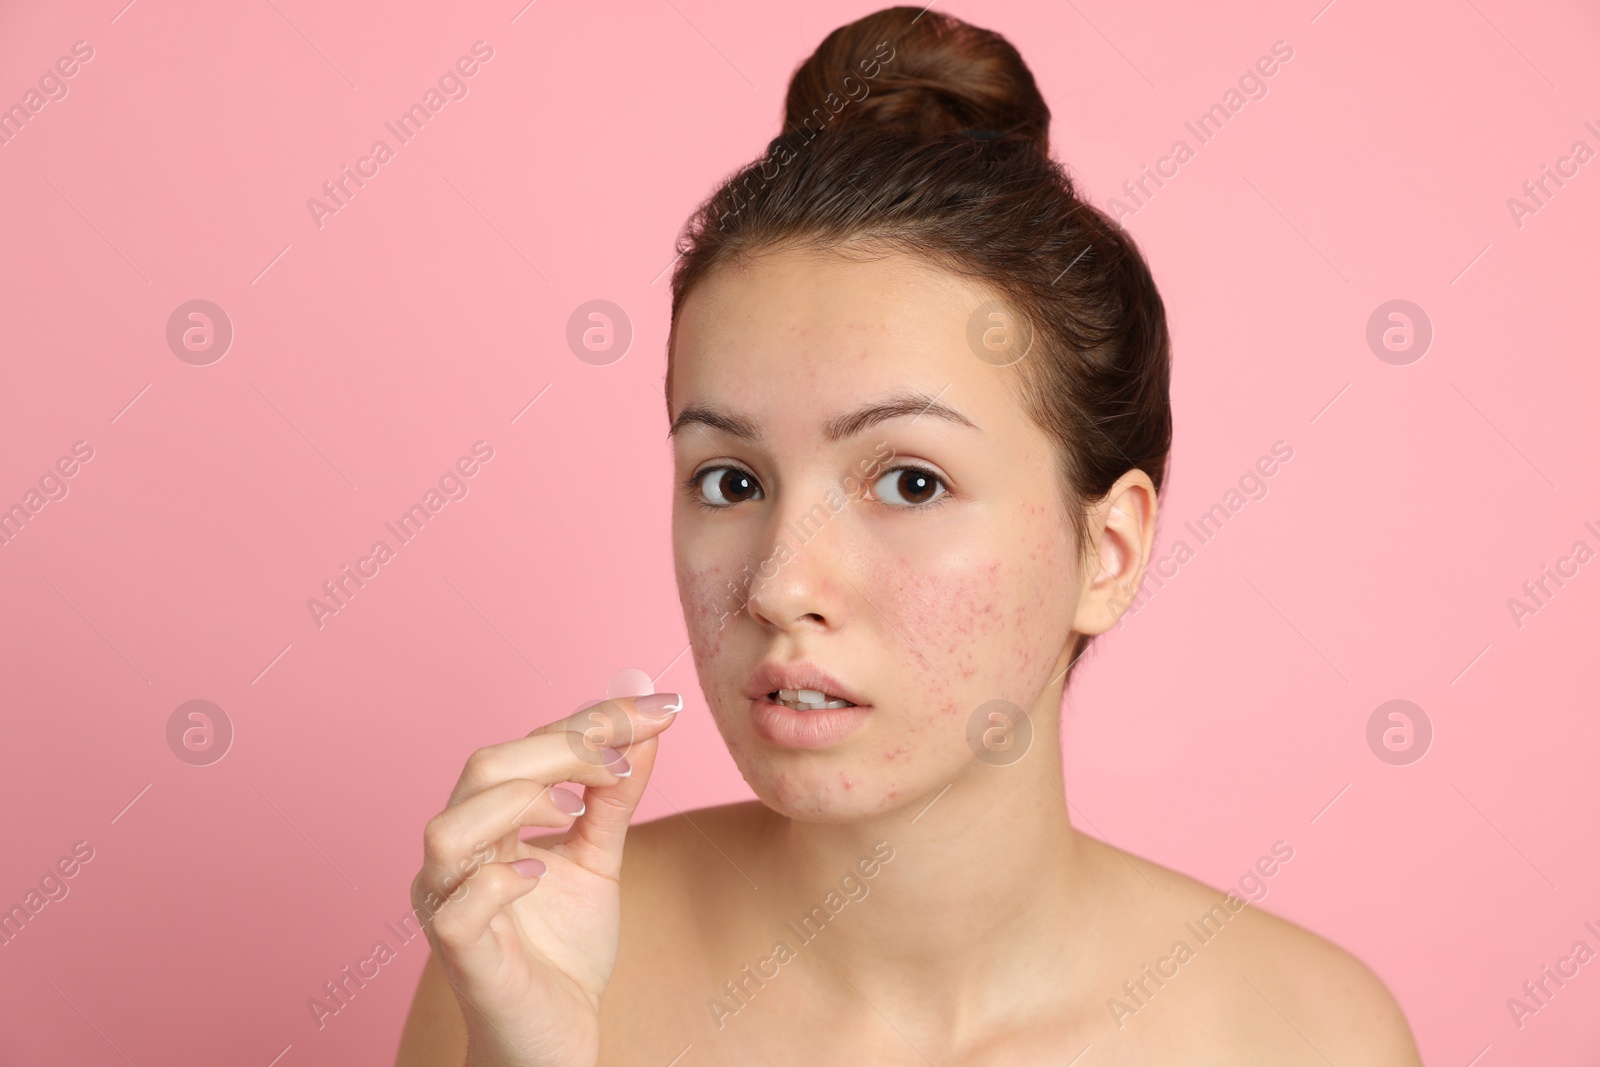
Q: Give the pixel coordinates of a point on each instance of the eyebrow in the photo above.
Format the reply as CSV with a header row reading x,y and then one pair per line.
x,y
914,404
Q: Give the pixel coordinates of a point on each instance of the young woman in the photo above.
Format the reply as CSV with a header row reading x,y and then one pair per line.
x,y
918,402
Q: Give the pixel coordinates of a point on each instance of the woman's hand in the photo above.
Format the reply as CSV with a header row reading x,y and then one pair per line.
x,y
527,936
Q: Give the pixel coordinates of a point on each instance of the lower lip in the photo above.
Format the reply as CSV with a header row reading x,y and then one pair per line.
x,y
785,727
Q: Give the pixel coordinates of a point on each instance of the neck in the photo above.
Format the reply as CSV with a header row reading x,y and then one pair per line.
x,y
973,904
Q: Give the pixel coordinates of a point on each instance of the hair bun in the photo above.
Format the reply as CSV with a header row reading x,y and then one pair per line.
x,y
921,72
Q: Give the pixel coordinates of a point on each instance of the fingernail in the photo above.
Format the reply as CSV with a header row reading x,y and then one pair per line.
x,y
566,801
657,705
529,868
614,762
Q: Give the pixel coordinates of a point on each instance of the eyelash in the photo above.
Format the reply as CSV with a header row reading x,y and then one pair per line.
x,y
692,486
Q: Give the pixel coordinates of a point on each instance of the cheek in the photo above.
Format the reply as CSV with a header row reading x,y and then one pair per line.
x,y
978,627
711,601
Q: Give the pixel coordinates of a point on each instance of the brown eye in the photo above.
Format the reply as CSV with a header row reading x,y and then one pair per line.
x,y
909,487
723,486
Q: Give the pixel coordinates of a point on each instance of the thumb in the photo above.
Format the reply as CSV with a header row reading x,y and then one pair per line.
x,y
595,838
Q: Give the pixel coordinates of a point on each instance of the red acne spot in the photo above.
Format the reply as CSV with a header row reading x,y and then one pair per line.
x,y
896,755
846,782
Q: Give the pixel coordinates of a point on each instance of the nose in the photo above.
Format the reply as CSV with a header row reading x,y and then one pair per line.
x,y
799,581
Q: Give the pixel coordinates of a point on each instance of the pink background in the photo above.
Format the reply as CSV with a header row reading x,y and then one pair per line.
x,y
372,352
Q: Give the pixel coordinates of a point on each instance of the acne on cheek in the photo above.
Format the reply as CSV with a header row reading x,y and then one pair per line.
x,y
990,625
951,619
709,608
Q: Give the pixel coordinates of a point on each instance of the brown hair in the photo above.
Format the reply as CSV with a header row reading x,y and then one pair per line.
x,y
912,131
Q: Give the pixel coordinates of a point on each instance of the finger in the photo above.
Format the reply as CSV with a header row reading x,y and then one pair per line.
x,y
596,838
617,723
583,736
455,841
459,926
548,758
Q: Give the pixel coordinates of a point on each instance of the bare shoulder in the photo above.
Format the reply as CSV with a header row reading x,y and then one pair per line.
x,y
1283,986
1340,999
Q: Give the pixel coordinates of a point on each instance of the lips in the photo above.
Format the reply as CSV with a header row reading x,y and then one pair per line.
x,y
783,726
803,683
799,705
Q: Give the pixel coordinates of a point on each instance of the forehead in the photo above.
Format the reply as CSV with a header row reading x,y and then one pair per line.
x,y
797,322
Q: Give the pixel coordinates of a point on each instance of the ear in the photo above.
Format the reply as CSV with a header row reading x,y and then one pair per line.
x,y
1122,526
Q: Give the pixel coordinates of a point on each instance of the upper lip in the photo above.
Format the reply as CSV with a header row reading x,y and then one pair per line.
x,y
769,677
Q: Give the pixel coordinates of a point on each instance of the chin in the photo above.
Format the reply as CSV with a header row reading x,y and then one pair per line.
x,y
848,782
816,795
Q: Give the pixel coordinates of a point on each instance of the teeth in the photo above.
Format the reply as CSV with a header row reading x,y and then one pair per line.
x,y
809,700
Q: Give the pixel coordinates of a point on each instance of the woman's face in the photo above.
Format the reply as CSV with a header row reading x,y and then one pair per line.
x,y
926,593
